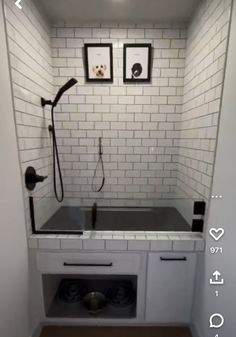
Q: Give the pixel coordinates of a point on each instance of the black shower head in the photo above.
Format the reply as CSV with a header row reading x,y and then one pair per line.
x,y
60,92
63,89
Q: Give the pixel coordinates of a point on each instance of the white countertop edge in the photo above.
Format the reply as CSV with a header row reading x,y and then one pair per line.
x,y
116,235
157,241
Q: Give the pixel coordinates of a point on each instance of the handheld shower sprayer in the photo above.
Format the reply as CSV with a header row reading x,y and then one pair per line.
x,y
100,161
51,128
60,92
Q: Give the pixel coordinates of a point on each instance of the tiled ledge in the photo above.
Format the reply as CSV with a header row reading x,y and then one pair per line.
x,y
121,241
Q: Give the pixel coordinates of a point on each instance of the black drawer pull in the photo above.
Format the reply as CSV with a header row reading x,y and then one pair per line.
x,y
66,264
173,258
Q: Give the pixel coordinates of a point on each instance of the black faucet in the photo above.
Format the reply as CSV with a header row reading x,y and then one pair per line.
x,y
94,216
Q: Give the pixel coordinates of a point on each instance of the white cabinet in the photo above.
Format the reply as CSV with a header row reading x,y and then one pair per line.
x,y
170,282
55,266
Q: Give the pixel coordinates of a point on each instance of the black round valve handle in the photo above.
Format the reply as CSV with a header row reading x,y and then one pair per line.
x,y
32,178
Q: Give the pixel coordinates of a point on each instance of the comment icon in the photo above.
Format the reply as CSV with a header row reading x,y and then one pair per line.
x,y
216,321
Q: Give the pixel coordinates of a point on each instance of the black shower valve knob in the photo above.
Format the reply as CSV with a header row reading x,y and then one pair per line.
x,y
32,178
199,208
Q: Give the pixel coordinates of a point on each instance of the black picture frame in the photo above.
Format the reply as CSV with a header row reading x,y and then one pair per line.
x,y
135,79
91,47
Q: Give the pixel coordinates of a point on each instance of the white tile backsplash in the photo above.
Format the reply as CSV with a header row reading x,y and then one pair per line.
x,y
204,74
119,112
32,78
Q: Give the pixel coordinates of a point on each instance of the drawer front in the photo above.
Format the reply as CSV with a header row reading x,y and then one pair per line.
x,y
88,263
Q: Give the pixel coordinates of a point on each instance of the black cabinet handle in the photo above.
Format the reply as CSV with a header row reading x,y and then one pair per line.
x,y
173,258
66,264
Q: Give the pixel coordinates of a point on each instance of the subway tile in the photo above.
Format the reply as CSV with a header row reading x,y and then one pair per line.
x,y
183,245
100,33
171,33
74,43
118,91
184,92
116,245
178,43
92,244
33,243
136,33
199,245
126,100
65,32
58,43
83,32
118,33
66,52
161,245
51,243
71,243
153,33
139,245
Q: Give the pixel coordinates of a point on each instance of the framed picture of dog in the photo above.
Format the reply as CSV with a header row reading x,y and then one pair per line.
x,y
98,62
137,62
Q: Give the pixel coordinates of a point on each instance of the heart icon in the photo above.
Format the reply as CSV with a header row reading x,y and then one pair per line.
x,y
216,233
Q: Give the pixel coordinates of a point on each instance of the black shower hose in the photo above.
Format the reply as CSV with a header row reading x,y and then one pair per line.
x,y
100,160
56,161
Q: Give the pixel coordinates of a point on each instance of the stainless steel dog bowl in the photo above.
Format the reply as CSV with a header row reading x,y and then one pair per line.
x,y
94,302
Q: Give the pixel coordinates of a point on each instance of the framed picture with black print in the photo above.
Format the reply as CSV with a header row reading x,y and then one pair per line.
x,y
137,62
98,62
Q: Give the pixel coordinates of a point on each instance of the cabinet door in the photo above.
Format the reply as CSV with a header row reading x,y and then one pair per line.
x,y
170,283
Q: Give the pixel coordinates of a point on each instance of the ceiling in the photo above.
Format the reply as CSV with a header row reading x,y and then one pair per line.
x,y
135,11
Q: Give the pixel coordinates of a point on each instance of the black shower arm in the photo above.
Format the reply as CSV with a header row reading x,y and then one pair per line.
x,y
45,102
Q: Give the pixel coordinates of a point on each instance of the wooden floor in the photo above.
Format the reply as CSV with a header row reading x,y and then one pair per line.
x,y
60,331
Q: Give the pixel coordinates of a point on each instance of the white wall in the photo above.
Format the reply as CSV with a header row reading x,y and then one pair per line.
x,y
204,74
207,38
155,148
13,245
136,121
31,70
221,214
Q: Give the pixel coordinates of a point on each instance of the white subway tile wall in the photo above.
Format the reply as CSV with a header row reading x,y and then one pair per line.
x,y
203,82
158,138
31,71
136,121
